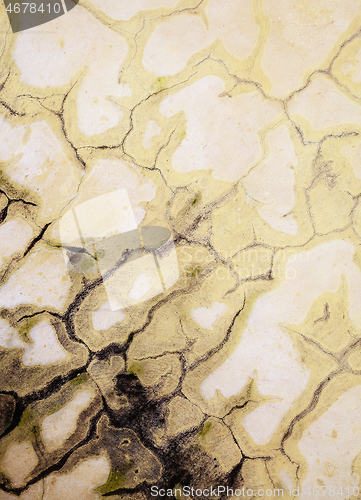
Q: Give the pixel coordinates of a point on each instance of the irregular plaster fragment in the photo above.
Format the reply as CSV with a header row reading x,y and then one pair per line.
x,y
57,428
321,106
301,37
164,334
173,42
19,460
15,235
42,280
104,317
49,59
183,415
160,376
282,375
255,475
216,439
104,373
229,145
38,160
133,463
81,482
271,183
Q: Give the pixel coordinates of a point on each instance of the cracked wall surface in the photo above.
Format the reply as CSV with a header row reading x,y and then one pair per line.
x,y
180,263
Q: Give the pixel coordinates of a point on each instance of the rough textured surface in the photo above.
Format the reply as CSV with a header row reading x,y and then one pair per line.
x,y
235,359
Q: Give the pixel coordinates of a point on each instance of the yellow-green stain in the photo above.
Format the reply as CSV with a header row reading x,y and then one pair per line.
x,y
205,429
25,329
135,369
80,379
26,417
116,479
182,133
162,83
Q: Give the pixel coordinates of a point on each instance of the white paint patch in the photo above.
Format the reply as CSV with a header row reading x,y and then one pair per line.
x,y
173,42
286,479
49,60
302,35
152,130
35,159
105,317
176,40
14,236
46,349
330,445
19,460
206,317
324,105
42,280
57,428
221,132
272,182
9,337
80,483
265,351
141,286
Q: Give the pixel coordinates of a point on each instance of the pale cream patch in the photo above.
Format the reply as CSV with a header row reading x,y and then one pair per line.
x,y
152,130
221,132
354,71
330,445
45,349
324,105
285,478
266,353
9,337
173,42
302,35
49,59
42,280
105,317
207,317
36,160
80,483
15,234
272,182
57,428
19,460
